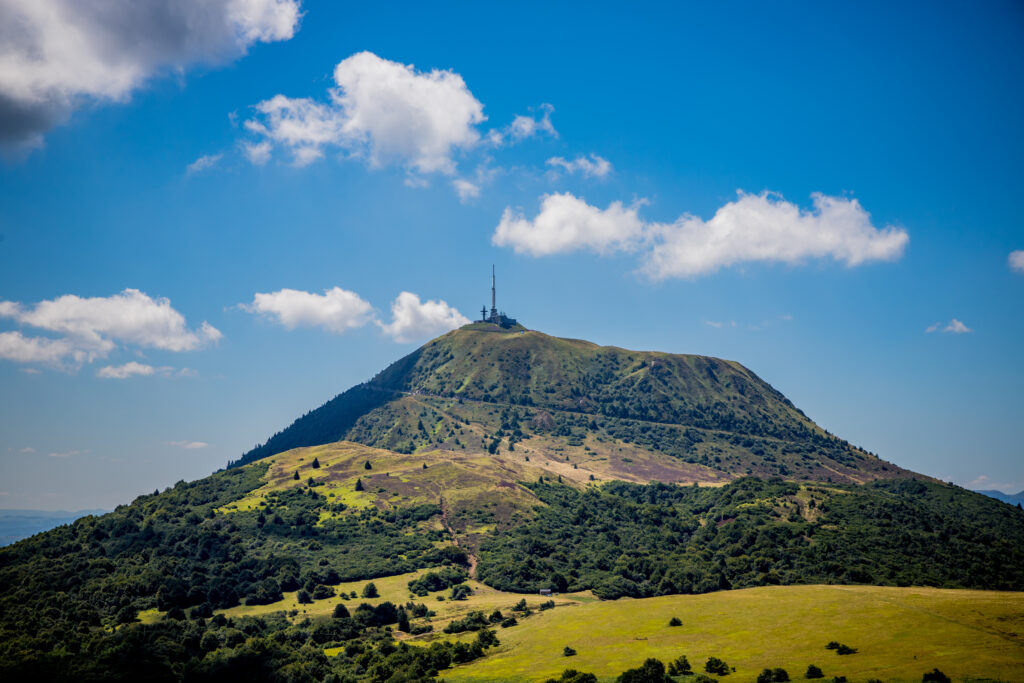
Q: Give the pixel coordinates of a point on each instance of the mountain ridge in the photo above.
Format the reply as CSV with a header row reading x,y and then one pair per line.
x,y
700,409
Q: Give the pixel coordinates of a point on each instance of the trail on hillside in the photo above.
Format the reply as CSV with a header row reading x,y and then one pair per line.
x,y
455,538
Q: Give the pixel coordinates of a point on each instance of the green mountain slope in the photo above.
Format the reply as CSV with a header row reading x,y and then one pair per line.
x,y
511,387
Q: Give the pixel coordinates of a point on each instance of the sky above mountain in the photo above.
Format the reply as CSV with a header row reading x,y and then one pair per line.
x,y
216,216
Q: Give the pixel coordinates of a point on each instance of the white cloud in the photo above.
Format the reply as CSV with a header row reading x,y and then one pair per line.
x,y
93,327
466,189
65,454
27,449
567,223
594,167
129,369
523,127
336,310
56,55
385,111
1016,260
956,327
257,153
188,445
203,163
753,228
413,319
953,327
16,347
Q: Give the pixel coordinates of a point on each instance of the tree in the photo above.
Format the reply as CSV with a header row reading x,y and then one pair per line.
x,y
403,621
714,665
568,652
340,612
674,621
680,667
367,465
460,592
296,475
845,650
813,672
370,591
935,676
651,671
303,597
316,463
359,485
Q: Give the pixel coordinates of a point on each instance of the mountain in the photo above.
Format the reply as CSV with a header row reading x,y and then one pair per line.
x,y
18,524
492,464
483,388
1011,498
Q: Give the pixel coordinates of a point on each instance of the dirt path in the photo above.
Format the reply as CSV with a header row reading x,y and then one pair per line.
x,y
455,539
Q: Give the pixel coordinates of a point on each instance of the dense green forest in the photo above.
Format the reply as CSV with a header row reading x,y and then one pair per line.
x,y
628,540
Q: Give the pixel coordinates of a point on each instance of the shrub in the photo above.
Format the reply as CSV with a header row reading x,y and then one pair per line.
x,y
496,617
340,612
321,592
714,665
935,676
370,591
304,597
845,650
508,621
680,667
460,592
675,621
832,645
651,671
813,672
568,652
573,676
549,604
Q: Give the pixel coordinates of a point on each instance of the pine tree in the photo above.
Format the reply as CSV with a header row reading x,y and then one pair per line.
x,y
359,484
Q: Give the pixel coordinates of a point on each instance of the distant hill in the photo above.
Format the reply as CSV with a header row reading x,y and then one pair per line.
x,y
1011,498
18,524
715,417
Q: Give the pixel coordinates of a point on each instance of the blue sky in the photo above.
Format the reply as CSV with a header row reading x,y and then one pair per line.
x,y
209,235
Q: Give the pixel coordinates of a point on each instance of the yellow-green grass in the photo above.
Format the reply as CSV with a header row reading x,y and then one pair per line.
x,y
396,589
899,634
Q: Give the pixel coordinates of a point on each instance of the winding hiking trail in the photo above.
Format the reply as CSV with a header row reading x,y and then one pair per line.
x,y
455,538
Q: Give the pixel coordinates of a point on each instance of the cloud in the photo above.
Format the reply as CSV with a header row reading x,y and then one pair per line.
x,y
65,454
953,327
27,449
523,127
132,369
567,223
336,310
385,111
466,189
413,319
93,327
753,228
188,445
1016,260
594,167
58,55
203,163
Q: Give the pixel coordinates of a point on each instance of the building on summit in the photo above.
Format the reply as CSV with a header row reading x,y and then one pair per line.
x,y
495,317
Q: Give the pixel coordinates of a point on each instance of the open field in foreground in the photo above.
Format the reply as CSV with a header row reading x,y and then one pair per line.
x,y
899,634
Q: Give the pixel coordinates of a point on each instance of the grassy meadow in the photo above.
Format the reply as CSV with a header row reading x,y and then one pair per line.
x,y
899,633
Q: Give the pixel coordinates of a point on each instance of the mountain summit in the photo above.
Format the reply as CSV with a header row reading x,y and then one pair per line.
x,y
634,415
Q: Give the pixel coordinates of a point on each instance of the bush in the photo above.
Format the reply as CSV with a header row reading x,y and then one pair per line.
x,y
714,665
651,671
845,650
680,667
813,672
460,592
935,676
340,612
508,621
304,597
773,676
496,617
370,591
573,676
568,652
832,645
550,604
321,592
675,621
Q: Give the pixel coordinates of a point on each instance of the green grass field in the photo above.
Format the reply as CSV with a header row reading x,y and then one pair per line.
x,y
899,633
